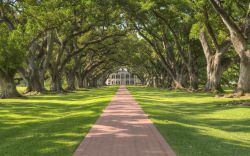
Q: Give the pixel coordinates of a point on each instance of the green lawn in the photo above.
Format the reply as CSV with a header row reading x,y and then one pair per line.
x,y
49,125
197,124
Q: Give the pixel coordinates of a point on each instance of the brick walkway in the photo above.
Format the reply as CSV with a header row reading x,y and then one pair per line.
x,y
123,130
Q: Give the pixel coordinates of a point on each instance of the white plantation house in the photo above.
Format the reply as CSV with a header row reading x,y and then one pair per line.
x,y
122,77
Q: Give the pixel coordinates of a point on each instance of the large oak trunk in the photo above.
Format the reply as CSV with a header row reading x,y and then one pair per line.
x,y
240,42
215,64
93,83
180,79
178,82
149,82
32,79
214,73
79,81
193,80
42,79
193,77
56,83
35,83
70,76
155,82
85,83
177,85
244,77
243,50
8,87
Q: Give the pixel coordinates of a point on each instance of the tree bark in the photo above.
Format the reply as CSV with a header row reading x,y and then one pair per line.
x,y
179,80
244,78
93,83
240,42
177,85
82,81
187,60
32,72
42,79
215,68
193,77
149,81
70,76
214,73
56,83
155,82
193,80
85,82
35,83
165,61
8,87
79,81
212,65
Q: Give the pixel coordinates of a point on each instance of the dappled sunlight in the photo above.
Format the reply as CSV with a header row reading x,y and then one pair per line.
x,y
186,62
211,131
70,134
57,100
100,130
52,125
233,114
194,122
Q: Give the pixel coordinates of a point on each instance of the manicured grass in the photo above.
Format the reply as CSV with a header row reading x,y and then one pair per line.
x,y
197,124
49,125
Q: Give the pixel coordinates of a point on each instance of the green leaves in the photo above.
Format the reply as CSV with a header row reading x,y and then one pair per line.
x,y
12,49
147,4
195,30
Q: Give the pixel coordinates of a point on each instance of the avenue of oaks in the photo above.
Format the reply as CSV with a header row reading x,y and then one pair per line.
x,y
180,44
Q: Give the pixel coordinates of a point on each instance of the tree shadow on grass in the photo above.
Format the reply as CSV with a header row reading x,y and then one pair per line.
x,y
49,124
190,136
197,123
55,137
192,142
90,94
149,91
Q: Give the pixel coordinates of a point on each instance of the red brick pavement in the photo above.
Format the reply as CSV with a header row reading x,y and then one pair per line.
x,y
123,130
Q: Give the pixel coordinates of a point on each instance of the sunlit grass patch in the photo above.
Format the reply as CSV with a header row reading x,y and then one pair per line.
x,y
197,124
47,124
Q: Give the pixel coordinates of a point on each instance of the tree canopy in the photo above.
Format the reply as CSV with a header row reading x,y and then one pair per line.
x,y
181,44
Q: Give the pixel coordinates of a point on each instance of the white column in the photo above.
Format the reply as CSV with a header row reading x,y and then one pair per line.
x,y
120,78
129,79
126,78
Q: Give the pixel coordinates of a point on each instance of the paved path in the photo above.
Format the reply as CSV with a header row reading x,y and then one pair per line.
x,y
123,130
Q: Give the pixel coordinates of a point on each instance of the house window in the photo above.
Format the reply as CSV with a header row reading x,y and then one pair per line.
x,y
117,76
122,76
127,76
